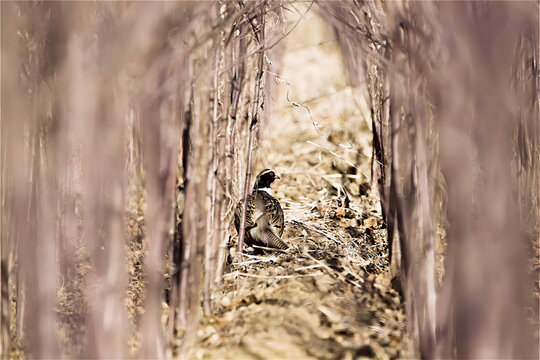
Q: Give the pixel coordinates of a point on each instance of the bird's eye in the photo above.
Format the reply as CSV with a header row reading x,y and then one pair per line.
x,y
272,175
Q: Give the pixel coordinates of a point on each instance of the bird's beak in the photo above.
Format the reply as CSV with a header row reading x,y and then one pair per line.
x,y
277,177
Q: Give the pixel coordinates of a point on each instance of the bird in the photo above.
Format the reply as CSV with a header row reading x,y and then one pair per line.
x,y
264,215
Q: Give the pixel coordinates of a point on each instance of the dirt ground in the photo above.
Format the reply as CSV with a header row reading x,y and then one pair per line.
x,y
329,296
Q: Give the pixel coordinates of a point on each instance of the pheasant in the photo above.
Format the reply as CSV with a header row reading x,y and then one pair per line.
x,y
264,215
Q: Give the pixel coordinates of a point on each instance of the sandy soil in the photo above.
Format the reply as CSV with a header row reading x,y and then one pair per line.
x,y
329,296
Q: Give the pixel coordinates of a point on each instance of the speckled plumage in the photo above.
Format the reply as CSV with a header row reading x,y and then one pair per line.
x,y
264,215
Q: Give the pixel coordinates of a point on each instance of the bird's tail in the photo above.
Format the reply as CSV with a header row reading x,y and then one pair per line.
x,y
272,240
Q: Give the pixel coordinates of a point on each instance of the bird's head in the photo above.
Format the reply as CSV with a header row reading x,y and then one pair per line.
x,y
264,179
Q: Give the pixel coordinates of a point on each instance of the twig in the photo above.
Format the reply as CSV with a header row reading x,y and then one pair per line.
x,y
350,176
253,127
304,225
281,80
308,267
275,277
255,261
259,257
262,45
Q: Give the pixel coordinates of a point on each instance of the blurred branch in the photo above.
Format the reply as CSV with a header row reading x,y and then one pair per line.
x,y
254,126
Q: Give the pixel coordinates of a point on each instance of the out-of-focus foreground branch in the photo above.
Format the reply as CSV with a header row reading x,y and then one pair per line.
x,y
454,102
100,103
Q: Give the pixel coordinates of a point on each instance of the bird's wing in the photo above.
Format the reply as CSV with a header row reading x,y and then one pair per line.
x,y
250,222
274,212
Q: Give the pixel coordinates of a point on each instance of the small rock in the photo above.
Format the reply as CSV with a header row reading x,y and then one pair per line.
x,y
364,351
370,222
340,212
384,280
384,339
259,295
354,232
381,289
205,331
228,316
226,301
